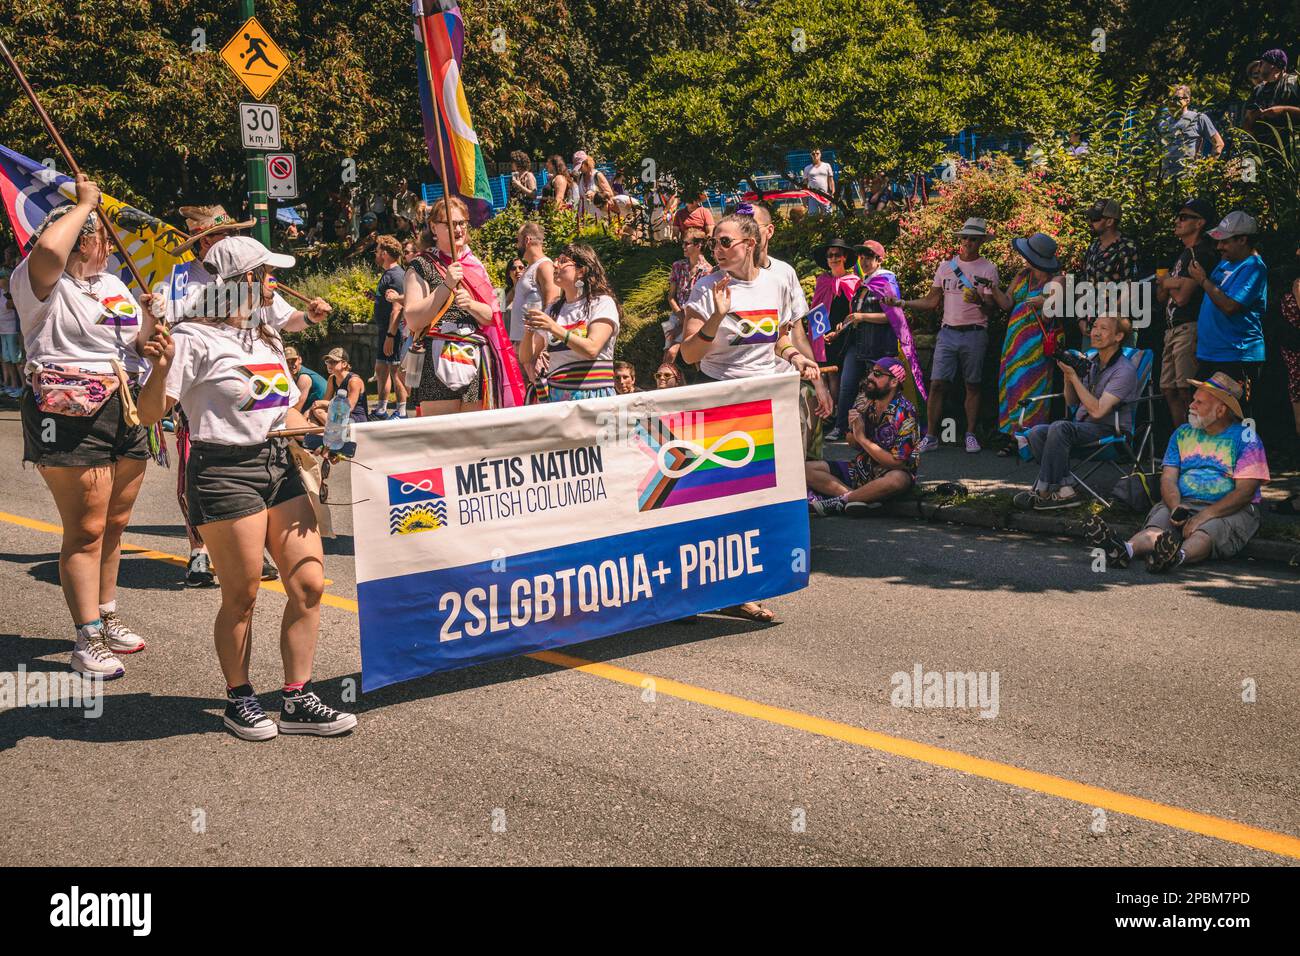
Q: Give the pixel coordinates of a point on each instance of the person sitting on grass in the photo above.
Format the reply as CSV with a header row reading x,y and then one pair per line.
x,y
1110,384
1209,488
883,424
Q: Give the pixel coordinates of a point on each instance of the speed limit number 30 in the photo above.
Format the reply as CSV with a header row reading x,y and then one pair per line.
x,y
259,123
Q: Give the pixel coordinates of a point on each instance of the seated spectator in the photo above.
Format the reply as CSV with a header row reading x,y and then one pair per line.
x,y
1103,397
341,377
625,379
311,385
1209,489
1230,325
668,376
883,425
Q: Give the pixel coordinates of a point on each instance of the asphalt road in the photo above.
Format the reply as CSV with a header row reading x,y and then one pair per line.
x,y
747,744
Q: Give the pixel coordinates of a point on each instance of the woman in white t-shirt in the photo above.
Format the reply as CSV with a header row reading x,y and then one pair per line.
x,y
244,491
578,330
83,328
734,328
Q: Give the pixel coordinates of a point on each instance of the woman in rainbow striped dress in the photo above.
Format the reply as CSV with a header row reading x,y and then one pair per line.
x,y
578,330
1025,369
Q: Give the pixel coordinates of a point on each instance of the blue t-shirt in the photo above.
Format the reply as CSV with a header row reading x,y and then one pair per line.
x,y
317,390
1240,337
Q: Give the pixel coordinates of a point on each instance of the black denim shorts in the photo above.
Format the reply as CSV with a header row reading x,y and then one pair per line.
x,y
224,482
72,441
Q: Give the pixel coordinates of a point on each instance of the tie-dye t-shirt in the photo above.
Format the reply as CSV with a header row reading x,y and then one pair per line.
x,y
1209,465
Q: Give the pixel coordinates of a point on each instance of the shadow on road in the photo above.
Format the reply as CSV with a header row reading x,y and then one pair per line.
x,y
950,557
159,530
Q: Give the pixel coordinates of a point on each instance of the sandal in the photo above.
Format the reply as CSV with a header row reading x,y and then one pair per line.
x,y
749,611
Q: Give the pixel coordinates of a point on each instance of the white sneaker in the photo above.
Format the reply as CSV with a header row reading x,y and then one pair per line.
x,y
92,656
120,638
972,444
928,443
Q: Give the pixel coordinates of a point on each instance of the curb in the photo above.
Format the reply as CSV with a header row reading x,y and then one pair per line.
x,y
1274,552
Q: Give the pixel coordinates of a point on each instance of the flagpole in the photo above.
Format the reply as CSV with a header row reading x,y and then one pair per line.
x,y
438,125
72,163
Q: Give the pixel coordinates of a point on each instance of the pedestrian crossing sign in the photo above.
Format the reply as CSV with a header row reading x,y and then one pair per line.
x,y
254,57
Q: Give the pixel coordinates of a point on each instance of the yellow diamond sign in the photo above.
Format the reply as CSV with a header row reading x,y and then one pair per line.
x,y
254,58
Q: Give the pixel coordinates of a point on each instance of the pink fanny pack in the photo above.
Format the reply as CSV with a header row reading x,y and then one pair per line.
x,y
60,390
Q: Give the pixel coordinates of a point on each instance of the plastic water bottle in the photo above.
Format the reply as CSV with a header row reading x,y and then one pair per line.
x,y
336,425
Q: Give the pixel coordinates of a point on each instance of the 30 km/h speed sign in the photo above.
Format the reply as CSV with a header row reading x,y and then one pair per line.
x,y
259,124
282,175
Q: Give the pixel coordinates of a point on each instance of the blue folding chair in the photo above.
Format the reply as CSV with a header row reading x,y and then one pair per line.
x,y
1125,452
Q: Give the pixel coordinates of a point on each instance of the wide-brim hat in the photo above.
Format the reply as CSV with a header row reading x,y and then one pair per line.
x,y
1039,250
850,253
203,221
1225,388
974,228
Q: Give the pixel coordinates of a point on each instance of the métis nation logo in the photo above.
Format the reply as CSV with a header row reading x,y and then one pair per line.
x,y
416,502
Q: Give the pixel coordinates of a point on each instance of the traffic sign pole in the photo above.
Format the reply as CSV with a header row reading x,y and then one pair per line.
x,y
257,200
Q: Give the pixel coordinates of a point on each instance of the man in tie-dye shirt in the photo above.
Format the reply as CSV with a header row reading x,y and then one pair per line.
x,y
1209,489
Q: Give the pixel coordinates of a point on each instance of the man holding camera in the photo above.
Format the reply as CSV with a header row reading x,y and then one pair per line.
x,y
1101,387
1209,488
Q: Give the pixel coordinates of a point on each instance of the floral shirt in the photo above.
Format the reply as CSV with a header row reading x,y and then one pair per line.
x,y
894,428
683,278
1209,465
1116,263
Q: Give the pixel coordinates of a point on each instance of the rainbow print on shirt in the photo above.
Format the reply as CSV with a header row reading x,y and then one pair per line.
x,y
118,310
756,326
268,386
707,454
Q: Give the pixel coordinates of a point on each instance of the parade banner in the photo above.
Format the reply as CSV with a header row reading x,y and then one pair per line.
x,y
494,533
29,191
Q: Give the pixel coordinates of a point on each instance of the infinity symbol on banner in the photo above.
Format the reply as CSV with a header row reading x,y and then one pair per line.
x,y
425,484
748,327
703,454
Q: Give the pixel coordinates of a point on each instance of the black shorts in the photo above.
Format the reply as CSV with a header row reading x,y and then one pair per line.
x,y
70,441
224,482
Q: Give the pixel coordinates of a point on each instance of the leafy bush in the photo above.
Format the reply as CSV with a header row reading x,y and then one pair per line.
x,y
350,289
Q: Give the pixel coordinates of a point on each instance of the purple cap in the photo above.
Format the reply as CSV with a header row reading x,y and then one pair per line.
x,y
894,367
1276,57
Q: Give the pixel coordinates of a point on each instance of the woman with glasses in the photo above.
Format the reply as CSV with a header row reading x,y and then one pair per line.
x,y
243,488
668,376
578,330
681,280
452,308
734,328
835,289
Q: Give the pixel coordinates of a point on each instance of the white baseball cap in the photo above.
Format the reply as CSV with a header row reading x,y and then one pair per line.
x,y
235,255
1235,223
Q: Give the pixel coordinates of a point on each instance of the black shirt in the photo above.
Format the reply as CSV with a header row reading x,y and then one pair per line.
x,y
1207,255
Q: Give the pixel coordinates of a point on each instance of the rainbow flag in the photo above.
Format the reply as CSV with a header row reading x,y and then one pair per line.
x,y
706,454
441,32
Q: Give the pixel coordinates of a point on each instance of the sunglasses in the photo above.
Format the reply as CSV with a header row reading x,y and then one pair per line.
x,y
692,242
834,254
1184,216
726,242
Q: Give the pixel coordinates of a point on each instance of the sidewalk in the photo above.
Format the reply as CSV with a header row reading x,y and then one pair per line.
x,y
990,482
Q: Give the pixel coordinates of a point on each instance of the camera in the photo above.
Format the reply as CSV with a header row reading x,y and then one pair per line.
x,y
1076,360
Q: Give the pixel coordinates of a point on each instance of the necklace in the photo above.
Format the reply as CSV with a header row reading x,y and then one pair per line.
x,y
88,286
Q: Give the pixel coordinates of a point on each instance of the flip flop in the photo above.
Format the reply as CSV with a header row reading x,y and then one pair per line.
x,y
749,611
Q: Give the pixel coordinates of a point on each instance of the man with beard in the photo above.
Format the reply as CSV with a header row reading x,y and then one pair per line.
x,y
1110,257
1214,468
883,426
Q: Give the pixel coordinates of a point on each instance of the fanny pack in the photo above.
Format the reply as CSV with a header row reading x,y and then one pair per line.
x,y
457,363
64,390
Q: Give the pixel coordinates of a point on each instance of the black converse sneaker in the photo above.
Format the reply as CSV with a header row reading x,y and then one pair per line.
x,y
245,716
305,713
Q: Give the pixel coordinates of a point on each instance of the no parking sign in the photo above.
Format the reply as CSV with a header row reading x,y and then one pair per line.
x,y
282,175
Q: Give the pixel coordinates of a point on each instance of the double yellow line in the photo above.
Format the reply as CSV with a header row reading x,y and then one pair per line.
x,y
1229,831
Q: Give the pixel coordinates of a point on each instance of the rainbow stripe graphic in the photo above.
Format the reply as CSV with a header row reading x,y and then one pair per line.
x,y
755,326
707,454
268,386
119,310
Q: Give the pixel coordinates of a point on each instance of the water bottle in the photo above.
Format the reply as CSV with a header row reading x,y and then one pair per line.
x,y
336,425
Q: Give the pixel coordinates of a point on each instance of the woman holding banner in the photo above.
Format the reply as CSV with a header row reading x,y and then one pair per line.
x,y
733,327
244,491
451,305
578,330
84,331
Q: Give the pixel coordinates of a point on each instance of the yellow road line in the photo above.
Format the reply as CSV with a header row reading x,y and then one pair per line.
x,y
1229,831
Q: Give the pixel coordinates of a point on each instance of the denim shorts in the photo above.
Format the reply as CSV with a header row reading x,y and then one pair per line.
x,y
11,347
72,441
964,350
224,482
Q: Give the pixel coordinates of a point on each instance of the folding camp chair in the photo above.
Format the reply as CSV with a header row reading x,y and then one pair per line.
x,y
1125,452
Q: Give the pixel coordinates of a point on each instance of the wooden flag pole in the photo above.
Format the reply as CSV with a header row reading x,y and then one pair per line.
x,y
72,163
438,126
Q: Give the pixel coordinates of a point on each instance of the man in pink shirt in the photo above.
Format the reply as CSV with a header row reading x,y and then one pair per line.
x,y
694,215
963,338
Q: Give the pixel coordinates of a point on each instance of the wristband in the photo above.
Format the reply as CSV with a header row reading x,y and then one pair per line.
x,y
566,337
706,338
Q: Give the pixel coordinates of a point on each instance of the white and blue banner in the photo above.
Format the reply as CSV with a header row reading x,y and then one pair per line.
x,y
495,533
